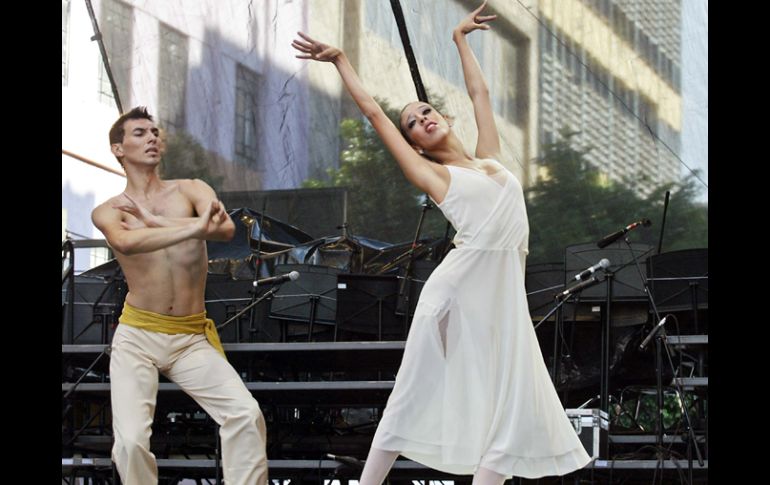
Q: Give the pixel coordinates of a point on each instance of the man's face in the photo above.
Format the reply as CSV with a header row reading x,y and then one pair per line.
x,y
141,143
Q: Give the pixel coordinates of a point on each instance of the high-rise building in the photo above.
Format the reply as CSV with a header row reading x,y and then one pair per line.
x,y
611,70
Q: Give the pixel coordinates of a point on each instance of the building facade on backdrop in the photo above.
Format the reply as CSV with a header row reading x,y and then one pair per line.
x,y
625,47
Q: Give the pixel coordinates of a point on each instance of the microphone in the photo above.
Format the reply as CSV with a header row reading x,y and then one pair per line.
x,y
577,288
652,333
602,265
611,238
347,460
275,280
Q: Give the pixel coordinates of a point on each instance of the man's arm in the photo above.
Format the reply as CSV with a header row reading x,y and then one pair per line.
x,y
145,239
200,195
203,197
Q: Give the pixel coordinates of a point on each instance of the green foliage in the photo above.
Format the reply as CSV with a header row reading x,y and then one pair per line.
x,y
184,157
574,204
640,412
382,204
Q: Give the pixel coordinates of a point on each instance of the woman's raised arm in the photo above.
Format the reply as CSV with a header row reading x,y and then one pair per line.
x,y
488,144
415,168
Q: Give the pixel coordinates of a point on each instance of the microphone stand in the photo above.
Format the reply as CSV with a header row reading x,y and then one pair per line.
x,y
405,288
558,307
661,345
605,349
257,266
248,307
555,367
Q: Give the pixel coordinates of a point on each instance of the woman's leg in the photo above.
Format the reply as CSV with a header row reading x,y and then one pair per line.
x,y
485,476
377,466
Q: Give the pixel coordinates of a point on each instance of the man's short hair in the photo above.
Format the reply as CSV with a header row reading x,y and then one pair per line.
x,y
117,132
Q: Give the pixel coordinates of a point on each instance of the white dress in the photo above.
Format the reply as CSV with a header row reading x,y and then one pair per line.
x,y
473,389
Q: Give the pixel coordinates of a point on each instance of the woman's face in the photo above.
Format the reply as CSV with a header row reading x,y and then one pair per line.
x,y
425,126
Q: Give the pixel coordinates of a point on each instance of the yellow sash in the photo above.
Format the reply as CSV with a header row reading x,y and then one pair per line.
x,y
156,322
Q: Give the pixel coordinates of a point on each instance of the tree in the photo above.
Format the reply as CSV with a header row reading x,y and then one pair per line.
x,y
573,204
184,157
382,204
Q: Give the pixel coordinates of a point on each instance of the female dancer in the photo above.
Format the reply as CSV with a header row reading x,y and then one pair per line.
x,y
472,394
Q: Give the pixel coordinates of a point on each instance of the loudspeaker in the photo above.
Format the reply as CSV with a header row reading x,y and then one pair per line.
x,y
679,279
98,302
366,306
311,299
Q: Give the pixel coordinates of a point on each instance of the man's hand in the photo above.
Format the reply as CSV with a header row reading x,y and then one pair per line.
x,y
211,219
144,216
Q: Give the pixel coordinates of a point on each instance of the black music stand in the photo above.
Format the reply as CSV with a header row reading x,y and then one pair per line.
x,y
311,299
226,297
366,304
627,284
622,282
679,282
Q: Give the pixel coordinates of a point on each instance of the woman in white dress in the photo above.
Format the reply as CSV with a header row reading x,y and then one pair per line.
x,y
472,394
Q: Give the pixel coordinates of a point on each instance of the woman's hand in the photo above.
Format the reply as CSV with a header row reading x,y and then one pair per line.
x,y
474,21
314,50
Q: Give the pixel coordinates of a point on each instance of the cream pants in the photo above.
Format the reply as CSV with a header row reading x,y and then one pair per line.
x,y
192,363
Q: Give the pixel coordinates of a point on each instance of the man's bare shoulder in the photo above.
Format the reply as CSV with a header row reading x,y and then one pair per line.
x,y
108,204
193,187
106,209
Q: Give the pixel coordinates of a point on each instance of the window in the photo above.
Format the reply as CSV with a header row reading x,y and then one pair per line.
x,y
548,138
577,73
605,8
677,75
648,112
510,81
247,122
172,78
655,60
65,27
116,26
643,44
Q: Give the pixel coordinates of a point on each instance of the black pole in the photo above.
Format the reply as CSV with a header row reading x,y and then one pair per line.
x,y
605,346
659,393
401,23
663,221
98,38
69,276
217,455
257,266
248,307
405,288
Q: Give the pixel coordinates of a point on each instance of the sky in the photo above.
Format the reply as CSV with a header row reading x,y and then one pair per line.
x,y
695,86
